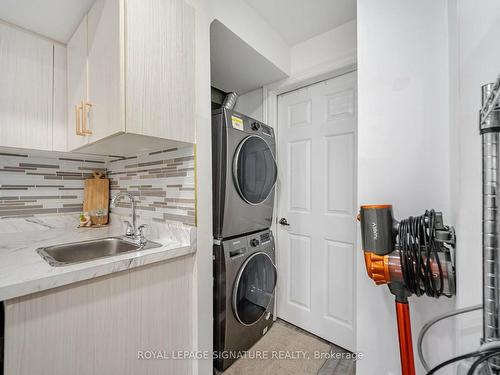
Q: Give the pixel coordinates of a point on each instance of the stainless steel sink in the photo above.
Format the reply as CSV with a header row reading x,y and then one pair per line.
x,y
84,251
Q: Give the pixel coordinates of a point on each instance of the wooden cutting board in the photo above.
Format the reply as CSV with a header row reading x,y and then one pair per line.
x,y
96,196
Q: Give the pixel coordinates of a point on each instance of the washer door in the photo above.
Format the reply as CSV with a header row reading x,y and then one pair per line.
x,y
254,288
254,170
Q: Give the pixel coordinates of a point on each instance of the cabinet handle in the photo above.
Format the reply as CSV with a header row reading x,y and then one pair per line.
x,y
78,108
86,106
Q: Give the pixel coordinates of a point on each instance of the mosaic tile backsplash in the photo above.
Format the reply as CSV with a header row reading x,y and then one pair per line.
x,y
33,184
49,183
161,181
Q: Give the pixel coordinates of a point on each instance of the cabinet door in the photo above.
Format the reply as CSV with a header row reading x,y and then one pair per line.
x,y
77,83
99,326
60,113
160,69
105,112
25,89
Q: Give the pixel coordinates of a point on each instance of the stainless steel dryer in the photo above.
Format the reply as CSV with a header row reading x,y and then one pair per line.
x,y
244,174
244,286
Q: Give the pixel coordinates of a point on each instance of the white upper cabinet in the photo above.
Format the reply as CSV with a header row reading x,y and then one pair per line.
x,y
95,86
140,75
77,86
60,120
160,72
26,89
105,73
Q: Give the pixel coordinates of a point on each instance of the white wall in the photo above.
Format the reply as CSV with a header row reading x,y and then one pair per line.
x,y
319,58
404,101
403,154
202,297
244,21
337,44
251,104
477,62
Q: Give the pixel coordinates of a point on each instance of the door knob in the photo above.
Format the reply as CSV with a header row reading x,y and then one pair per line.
x,y
283,222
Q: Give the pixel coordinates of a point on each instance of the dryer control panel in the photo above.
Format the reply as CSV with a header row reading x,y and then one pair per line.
x,y
238,121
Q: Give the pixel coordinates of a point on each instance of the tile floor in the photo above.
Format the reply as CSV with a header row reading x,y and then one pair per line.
x,y
287,337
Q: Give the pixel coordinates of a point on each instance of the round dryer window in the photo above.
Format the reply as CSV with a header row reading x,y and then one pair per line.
x,y
254,288
254,170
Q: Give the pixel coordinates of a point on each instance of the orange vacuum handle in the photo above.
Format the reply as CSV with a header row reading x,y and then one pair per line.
x,y
405,342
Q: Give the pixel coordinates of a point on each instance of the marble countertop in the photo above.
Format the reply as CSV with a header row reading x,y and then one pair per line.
x,y
23,271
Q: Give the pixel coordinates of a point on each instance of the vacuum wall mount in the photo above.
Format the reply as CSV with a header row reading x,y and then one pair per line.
x,y
412,257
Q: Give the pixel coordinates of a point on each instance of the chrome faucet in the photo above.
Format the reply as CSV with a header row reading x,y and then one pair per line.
x,y
137,233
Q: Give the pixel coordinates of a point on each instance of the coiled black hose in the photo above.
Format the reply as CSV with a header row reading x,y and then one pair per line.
x,y
418,250
481,360
433,321
481,354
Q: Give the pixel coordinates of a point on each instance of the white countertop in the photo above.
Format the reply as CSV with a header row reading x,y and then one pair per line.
x,y
23,271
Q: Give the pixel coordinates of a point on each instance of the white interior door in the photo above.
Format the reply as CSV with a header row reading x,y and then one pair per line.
x,y
317,198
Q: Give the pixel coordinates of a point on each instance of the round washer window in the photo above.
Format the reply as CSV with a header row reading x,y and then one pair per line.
x,y
254,288
254,170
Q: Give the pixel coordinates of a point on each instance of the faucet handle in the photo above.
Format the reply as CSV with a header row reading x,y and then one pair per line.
x,y
141,227
130,229
140,234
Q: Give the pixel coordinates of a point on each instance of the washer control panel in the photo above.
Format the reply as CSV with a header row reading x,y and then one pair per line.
x,y
254,242
240,246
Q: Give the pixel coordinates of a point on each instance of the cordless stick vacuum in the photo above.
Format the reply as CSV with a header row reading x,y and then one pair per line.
x,y
413,257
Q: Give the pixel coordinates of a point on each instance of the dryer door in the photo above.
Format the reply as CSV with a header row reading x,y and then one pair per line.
x,y
254,288
254,170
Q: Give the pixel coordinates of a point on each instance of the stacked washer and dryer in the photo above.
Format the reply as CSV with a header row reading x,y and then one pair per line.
x,y
244,176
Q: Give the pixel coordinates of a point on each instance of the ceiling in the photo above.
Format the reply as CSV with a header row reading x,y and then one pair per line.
x,y
299,20
55,19
236,66
294,20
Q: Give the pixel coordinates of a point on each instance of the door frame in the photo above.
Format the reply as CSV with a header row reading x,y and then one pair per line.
x,y
270,95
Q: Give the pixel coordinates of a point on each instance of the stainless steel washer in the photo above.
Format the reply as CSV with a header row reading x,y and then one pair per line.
x,y
244,285
244,174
